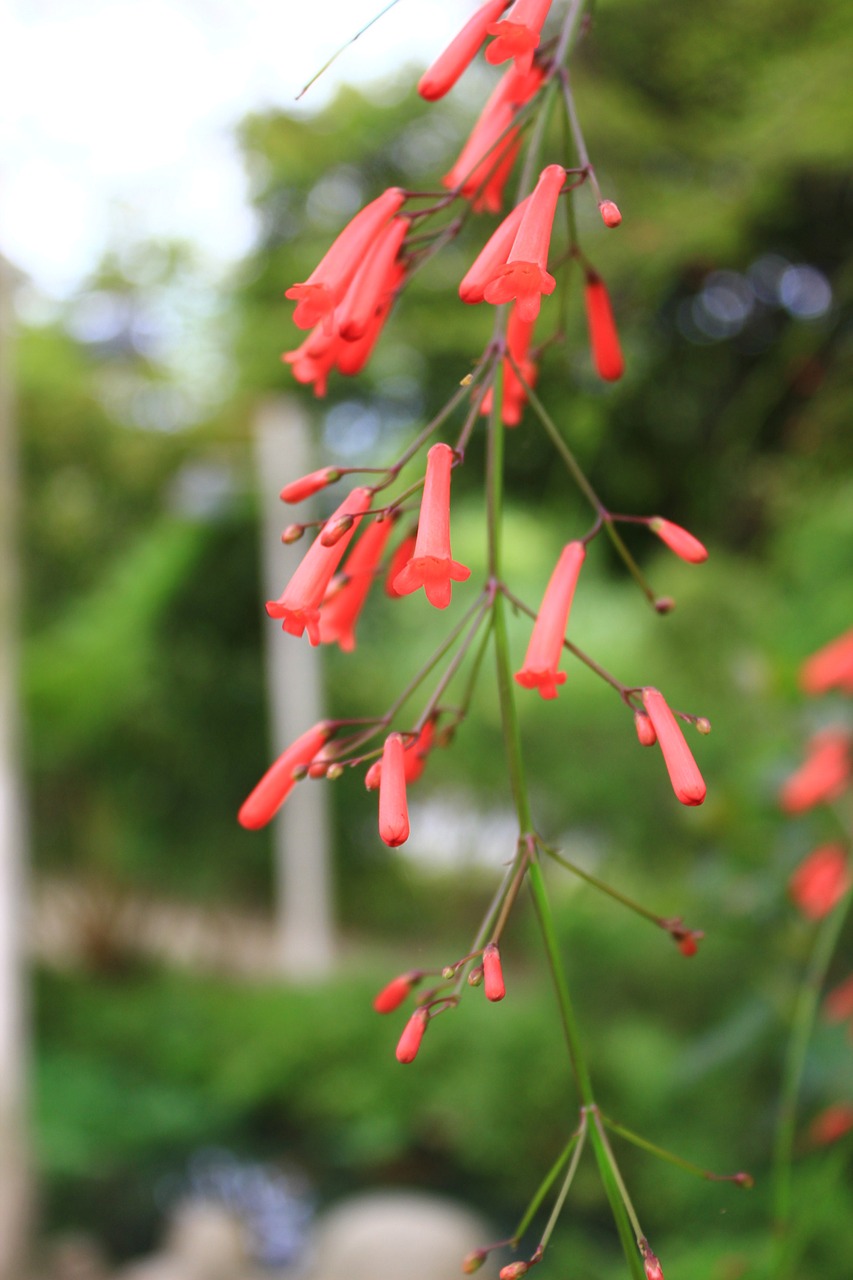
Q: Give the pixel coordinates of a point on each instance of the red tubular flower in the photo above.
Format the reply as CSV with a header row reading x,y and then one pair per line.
x,y
492,256
678,540
318,296
308,485
549,630
820,881
831,1124
431,567
370,284
493,979
340,611
838,1003
392,996
603,338
299,604
278,781
687,781
393,809
440,78
414,758
484,163
402,555
351,357
646,735
830,668
413,1034
822,777
524,276
517,35
313,360
518,338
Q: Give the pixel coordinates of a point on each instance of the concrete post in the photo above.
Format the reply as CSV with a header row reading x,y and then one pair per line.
x,y
304,910
15,1172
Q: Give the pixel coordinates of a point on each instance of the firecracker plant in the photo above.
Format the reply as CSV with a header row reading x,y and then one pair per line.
x,y
398,530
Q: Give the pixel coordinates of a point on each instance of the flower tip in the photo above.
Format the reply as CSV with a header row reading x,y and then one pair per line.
x,y
744,1179
664,604
610,214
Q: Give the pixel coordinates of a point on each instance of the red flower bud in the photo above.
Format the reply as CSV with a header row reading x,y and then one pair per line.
x,y
645,729
392,996
831,1124
820,881
823,775
492,973
678,540
310,484
687,781
830,668
610,215
279,780
413,1033
393,809
603,337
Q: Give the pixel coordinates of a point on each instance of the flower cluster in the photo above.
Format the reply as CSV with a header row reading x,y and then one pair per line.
x,y
398,529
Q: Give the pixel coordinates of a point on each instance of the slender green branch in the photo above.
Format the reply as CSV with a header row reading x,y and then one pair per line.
x,y
545,1186
741,1179
345,45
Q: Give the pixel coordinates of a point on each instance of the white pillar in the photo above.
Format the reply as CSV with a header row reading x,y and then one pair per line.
x,y
304,912
15,1174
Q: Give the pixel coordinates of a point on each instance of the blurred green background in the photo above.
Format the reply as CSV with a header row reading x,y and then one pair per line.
x,y
724,133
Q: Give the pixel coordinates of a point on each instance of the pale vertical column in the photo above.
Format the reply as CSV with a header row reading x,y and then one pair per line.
x,y
15,1173
304,914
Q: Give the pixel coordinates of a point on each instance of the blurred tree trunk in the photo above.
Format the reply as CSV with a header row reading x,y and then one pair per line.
x,y
15,1174
301,830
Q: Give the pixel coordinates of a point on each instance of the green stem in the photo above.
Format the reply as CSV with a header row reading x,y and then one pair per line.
x,y
515,762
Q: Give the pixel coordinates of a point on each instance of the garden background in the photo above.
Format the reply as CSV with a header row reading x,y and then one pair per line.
x,y
724,134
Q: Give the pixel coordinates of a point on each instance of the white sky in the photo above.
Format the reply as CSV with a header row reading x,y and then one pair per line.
x,y
116,116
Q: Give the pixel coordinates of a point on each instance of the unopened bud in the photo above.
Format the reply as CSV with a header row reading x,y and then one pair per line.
x,y
495,989
610,215
744,1180
334,771
297,490
473,1261
514,1270
300,772
335,530
664,604
392,996
292,533
317,769
413,1034
475,977
448,972
652,1268
703,724
688,945
645,729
